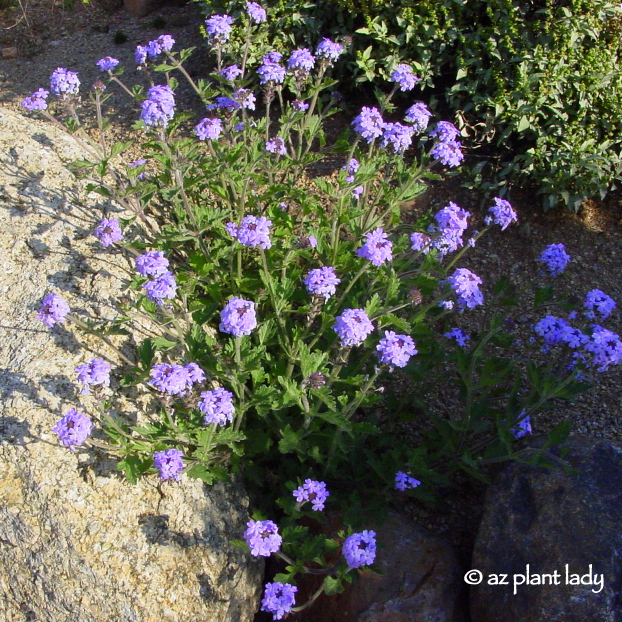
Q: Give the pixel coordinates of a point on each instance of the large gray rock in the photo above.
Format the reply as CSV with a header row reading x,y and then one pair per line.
x,y
557,523
77,542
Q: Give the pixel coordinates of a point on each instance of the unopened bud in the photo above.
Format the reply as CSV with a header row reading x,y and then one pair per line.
x,y
316,380
415,297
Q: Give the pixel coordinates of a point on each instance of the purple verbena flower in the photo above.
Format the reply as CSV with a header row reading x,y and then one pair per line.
x,y
159,107
465,283
397,136
369,123
460,336
169,463
217,406
299,106
262,536
353,326
238,317
523,427
140,55
403,75
64,82
395,350
195,373
73,429
301,61
160,287
448,152
163,43
605,347
278,599
53,309
231,73
107,63
552,329
377,247
252,231
357,192
451,223
151,263
256,12
359,549
312,491
108,232
351,166
420,242
419,115
598,301
555,258
209,128
136,164
218,28
171,378
36,101
404,481
329,50
96,372
445,131
276,145
501,213
271,70
322,282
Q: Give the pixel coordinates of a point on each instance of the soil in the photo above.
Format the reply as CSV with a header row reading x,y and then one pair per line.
x,y
78,35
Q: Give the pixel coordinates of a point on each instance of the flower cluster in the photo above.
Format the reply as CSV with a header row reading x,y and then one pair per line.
x,y
262,536
218,28
242,98
501,213
369,123
96,373
209,128
301,61
108,232
447,148
398,136
314,492
359,549
276,145
451,223
256,12
161,283
395,349
555,258
403,76
53,309
64,82
159,107
329,50
36,101
460,337
404,481
597,301
465,284
230,73
174,379
238,317
217,406
322,282
73,429
169,463
278,599
377,248
252,231
271,70
419,115
350,168
353,326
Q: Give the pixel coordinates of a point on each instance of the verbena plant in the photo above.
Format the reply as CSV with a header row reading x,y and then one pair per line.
x,y
285,300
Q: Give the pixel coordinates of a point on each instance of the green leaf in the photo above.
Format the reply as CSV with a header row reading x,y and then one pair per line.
x,y
332,585
146,352
290,441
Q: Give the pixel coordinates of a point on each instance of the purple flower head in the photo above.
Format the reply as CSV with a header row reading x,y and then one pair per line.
x,y
108,232
419,115
445,131
465,283
169,463
301,61
322,282
377,247
238,317
73,429
403,75
53,309
160,287
605,347
446,304
353,326
597,301
209,128
312,491
329,50
164,43
252,231
159,107
502,214
351,166
171,378
448,152
195,373
107,63
262,536
460,336
218,28
140,55
451,223
278,599
64,82
398,136
359,549
276,145
555,258
151,263
244,99
231,73
420,242
357,192
217,406
395,349
256,12
300,106
523,427
96,372
369,123
404,481
136,164
307,241
552,329
271,70
36,101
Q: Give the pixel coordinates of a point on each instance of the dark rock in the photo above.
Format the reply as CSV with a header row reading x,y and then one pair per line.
x,y
556,522
420,581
